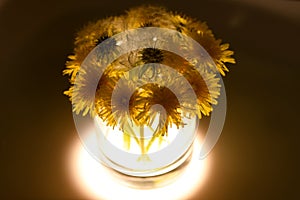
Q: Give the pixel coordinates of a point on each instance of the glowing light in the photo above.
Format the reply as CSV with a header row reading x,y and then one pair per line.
x,y
97,182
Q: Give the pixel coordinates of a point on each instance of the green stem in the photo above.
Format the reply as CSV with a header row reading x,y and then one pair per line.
x,y
142,139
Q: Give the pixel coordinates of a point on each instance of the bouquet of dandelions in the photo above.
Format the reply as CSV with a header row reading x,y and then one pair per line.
x,y
140,110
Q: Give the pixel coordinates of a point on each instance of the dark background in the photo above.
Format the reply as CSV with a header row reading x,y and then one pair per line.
x,y
257,156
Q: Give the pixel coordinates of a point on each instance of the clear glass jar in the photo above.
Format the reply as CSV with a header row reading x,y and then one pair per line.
x,y
161,157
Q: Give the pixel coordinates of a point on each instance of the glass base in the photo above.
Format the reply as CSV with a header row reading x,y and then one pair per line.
x,y
164,158
155,179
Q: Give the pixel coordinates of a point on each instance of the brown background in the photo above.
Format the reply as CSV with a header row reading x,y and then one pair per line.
x,y
257,156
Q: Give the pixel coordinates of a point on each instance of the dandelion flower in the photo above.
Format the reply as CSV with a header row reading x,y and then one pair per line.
x,y
118,101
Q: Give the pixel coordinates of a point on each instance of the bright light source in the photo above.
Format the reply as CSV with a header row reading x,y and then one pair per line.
x,y
96,182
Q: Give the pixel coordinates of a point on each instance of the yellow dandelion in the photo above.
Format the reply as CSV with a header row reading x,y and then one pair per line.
x,y
118,101
114,110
